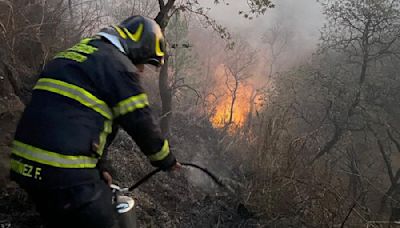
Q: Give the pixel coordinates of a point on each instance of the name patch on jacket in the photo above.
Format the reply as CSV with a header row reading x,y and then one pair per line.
x,y
26,169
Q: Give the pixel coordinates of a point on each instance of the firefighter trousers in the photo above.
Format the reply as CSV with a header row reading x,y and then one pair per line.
x,y
82,206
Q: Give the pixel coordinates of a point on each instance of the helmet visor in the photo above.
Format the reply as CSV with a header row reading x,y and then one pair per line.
x,y
158,61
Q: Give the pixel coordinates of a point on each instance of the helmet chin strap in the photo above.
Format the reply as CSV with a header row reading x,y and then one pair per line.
x,y
114,40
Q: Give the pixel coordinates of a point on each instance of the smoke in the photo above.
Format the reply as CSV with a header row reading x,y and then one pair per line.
x,y
301,19
200,179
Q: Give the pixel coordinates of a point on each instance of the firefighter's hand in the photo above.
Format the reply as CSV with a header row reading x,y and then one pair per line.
x,y
176,167
107,177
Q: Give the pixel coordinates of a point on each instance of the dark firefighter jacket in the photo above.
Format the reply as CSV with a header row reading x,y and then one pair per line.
x,y
80,99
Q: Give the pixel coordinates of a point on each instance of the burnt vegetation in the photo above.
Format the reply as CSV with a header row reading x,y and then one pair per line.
x,y
308,143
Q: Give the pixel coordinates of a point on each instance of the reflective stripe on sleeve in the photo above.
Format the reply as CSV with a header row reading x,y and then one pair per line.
x,y
83,48
163,153
103,136
51,158
76,93
131,104
72,56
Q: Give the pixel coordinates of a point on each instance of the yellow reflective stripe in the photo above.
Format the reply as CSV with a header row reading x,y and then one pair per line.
x,y
158,48
162,154
76,93
71,55
121,33
136,36
124,33
84,48
131,104
51,158
18,167
86,40
103,136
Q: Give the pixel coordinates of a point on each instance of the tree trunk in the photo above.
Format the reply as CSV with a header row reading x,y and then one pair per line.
x,y
234,96
162,19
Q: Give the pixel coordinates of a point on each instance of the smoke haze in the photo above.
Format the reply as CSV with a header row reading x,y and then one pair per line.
x,y
302,19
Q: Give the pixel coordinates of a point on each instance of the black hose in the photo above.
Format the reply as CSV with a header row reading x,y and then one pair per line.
x,y
144,179
152,173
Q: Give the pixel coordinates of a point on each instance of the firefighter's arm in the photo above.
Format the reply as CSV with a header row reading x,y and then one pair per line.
x,y
141,127
131,111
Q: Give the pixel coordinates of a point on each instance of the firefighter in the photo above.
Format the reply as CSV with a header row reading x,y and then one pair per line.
x,y
81,98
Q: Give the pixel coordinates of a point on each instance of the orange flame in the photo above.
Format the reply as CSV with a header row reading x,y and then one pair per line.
x,y
222,104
